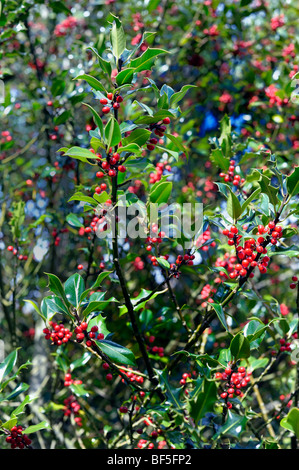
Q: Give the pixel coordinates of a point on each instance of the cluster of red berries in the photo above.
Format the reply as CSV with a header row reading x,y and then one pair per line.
x,y
136,188
115,101
160,167
185,376
55,235
16,438
69,381
55,135
142,443
80,332
210,188
109,167
159,130
138,264
228,263
154,260
58,334
5,137
137,23
184,380
283,397
159,350
61,29
204,238
285,345
15,252
230,175
249,256
277,22
206,293
72,406
294,284
156,240
132,376
185,259
180,261
97,222
234,382
154,349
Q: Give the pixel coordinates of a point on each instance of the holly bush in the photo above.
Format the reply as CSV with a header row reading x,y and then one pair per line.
x,y
149,225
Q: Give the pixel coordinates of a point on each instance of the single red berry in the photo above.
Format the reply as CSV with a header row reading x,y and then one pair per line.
x,y
123,409
80,337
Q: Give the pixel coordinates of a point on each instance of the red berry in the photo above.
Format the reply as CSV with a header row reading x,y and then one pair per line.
x,y
123,409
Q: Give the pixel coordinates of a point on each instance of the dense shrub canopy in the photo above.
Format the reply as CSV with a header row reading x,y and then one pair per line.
x,y
114,341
